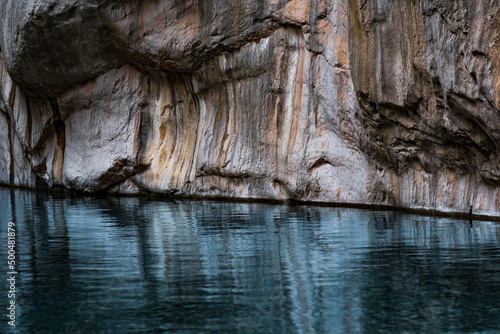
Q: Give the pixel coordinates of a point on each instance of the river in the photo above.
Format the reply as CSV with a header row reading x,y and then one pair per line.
x,y
138,265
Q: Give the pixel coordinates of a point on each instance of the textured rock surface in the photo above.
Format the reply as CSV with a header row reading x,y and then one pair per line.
x,y
378,102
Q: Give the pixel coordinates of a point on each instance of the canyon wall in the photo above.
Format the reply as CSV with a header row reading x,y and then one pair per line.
x,y
380,102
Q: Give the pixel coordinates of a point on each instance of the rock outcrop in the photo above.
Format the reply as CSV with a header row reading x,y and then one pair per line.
x,y
381,102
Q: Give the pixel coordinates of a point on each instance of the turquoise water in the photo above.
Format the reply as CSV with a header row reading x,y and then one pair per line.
x,y
128,265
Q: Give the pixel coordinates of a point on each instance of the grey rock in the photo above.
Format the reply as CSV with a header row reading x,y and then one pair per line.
x,y
384,102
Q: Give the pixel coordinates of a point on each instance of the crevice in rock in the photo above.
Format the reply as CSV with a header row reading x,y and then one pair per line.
x,y
143,126
11,149
40,170
214,171
12,97
60,129
489,144
319,163
29,123
46,132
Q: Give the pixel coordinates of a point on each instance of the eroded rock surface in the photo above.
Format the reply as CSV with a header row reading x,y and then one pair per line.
x,y
378,102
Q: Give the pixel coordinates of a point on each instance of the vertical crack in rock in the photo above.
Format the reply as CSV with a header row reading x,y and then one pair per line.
x,y
11,133
29,124
191,175
60,129
143,125
11,149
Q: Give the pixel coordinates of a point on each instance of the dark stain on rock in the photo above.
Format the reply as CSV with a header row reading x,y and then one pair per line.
x,y
60,129
318,163
10,134
121,170
143,126
29,124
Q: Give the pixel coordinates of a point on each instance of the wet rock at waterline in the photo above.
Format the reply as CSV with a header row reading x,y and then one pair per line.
x,y
383,102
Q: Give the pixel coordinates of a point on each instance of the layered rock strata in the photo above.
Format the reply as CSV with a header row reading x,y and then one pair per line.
x,y
378,102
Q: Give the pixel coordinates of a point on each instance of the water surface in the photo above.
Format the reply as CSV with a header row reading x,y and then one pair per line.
x,y
128,265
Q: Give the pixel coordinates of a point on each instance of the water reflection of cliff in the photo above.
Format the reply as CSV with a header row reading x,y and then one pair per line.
x,y
109,263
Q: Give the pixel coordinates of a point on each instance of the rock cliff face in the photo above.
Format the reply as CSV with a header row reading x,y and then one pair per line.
x,y
369,102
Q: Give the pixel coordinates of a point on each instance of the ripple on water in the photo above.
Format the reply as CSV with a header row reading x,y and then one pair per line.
x,y
134,265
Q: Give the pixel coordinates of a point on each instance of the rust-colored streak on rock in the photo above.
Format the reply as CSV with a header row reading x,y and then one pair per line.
x,y
297,95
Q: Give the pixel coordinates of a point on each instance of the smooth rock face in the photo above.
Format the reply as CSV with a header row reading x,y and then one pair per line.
x,y
378,102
